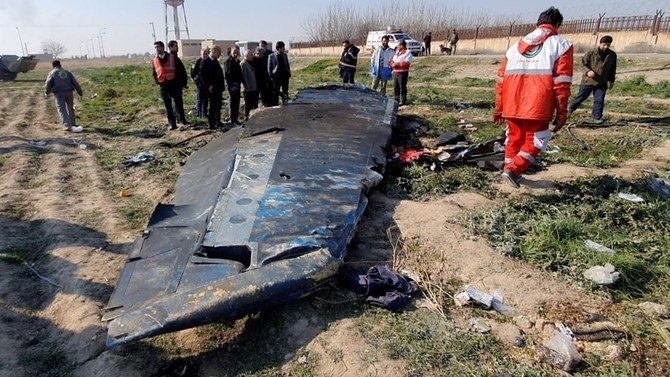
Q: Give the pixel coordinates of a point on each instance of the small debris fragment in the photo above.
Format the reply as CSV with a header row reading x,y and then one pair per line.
x,y
39,143
462,299
83,146
520,341
560,351
144,156
660,187
479,325
124,193
602,275
598,247
462,106
481,297
631,197
653,309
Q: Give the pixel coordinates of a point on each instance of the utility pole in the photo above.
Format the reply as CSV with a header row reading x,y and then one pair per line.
x,y
153,32
102,48
20,41
88,52
92,47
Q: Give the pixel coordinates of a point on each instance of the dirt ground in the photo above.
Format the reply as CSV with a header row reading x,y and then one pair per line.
x,y
56,199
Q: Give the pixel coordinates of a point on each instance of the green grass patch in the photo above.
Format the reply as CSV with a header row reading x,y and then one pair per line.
x,y
638,86
121,92
422,94
136,211
434,347
26,253
550,230
416,182
609,149
320,72
50,362
474,82
485,131
3,160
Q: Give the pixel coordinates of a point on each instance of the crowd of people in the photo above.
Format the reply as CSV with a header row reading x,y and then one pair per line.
x,y
540,63
259,76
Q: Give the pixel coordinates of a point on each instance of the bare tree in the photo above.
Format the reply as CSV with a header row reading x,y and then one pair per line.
x,y
348,20
54,48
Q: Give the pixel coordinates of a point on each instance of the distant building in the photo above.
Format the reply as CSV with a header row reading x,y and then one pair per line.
x,y
224,44
189,47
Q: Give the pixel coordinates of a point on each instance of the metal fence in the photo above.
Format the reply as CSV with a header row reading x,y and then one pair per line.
x,y
655,24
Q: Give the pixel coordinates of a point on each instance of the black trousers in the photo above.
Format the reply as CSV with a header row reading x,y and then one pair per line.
x,y
250,102
215,103
400,87
348,75
234,105
266,92
201,100
169,93
280,90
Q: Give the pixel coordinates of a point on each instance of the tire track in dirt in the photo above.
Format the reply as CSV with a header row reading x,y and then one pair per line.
x,y
24,111
9,109
56,187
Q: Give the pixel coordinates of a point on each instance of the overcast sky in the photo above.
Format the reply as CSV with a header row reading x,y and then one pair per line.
x,y
125,28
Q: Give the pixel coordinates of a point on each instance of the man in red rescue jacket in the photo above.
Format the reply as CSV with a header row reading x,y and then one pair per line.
x,y
533,83
170,74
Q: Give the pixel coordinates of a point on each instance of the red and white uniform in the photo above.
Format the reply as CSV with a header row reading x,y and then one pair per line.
x,y
533,82
401,61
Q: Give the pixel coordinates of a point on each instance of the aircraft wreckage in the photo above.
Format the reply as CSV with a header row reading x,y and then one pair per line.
x,y
261,215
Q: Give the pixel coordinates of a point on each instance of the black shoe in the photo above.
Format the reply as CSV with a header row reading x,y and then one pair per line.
x,y
173,127
511,179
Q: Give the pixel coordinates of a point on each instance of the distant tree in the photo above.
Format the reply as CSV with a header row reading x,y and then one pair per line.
x,y
54,48
349,19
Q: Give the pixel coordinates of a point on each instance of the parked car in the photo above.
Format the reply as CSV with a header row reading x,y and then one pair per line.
x,y
395,35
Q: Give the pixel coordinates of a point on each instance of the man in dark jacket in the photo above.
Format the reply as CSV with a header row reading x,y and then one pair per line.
x,y
598,74
212,79
182,82
62,83
172,80
201,93
279,70
427,40
265,86
233,73
348,62
453,41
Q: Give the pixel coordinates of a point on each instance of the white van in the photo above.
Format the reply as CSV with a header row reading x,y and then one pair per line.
x,y
395,34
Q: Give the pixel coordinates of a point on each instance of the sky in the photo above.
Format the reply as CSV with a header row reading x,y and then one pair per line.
x,y
124,25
